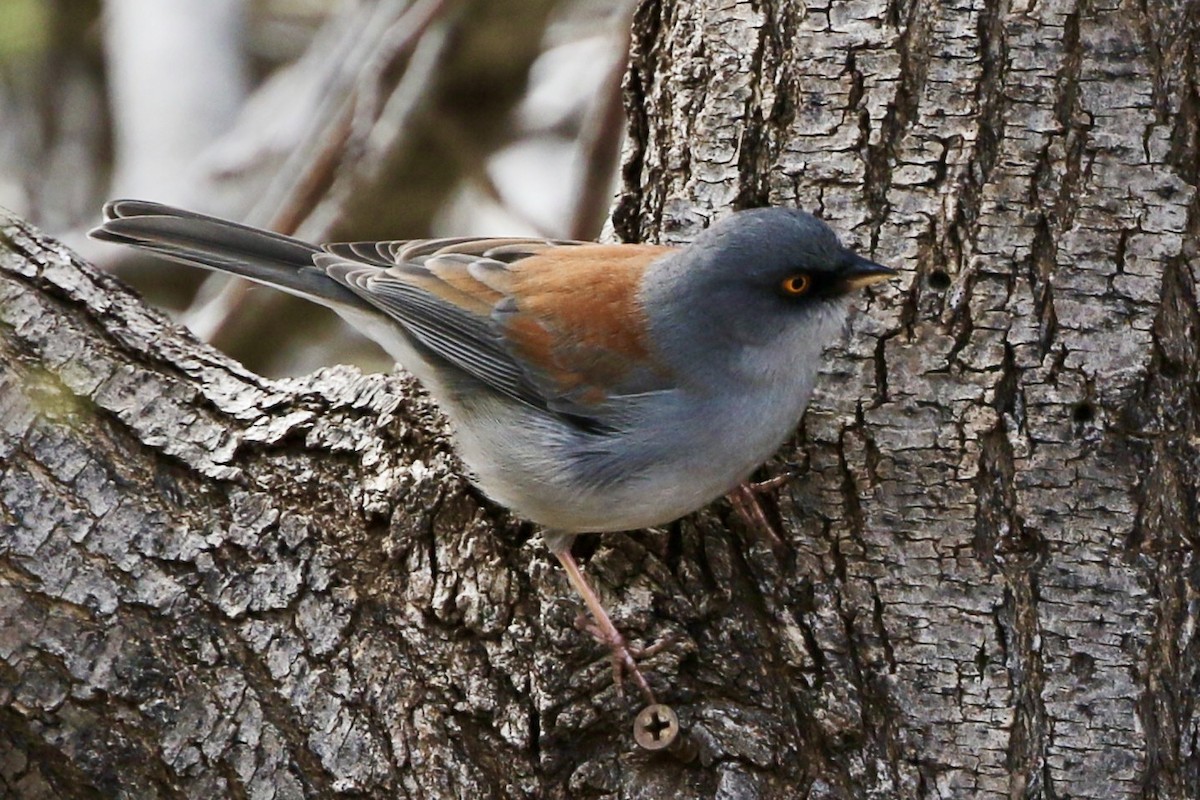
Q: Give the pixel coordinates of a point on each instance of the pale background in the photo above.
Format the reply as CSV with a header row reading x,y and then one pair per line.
x,y
212,104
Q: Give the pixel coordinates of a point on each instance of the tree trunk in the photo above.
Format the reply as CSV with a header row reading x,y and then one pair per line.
x,y
994,591
216,585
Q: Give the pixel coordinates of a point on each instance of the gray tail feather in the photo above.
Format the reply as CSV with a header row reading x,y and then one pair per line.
x,y
263,256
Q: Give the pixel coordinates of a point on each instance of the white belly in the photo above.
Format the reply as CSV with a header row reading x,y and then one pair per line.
x,y
650,477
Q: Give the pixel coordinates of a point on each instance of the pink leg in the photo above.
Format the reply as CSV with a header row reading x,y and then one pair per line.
x,y
745,501
623,660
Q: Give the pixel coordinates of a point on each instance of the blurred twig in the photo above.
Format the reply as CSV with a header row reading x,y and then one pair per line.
x,y
369,164
600,147
384,43
339,142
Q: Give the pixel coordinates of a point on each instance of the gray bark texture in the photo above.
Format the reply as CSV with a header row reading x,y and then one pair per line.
x,y
216,585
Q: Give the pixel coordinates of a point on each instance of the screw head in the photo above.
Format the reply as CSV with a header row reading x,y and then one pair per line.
x,y
655,727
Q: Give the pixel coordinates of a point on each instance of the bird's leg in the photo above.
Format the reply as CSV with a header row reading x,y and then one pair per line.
x,y
745,500
770,484
604,630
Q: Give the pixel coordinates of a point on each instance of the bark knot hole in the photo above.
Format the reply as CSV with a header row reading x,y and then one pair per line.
x,y
939,280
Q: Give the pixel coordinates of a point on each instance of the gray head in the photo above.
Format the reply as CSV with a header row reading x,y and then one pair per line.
x,y
758,277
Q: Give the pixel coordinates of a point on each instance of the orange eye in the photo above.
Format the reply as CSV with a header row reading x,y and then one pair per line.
x,y
796,285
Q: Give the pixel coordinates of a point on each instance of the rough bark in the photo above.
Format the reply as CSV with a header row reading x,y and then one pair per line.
x,y
217,585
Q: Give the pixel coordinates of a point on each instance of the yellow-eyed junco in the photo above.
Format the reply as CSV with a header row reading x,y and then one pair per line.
x,y
591,387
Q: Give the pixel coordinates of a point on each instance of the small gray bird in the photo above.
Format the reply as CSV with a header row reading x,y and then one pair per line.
x,y
590,387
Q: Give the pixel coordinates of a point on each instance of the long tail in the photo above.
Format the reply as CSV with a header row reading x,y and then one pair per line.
x,y
269,258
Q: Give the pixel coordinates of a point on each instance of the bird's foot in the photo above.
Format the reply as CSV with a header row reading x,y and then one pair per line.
x,y
745,499
624,656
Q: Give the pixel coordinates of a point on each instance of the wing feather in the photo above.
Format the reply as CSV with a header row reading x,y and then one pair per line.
x,y
553,324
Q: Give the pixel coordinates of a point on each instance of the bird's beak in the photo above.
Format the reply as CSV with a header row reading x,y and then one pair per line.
x,y
860,272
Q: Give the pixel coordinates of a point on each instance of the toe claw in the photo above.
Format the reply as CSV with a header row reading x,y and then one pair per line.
x,y
745,500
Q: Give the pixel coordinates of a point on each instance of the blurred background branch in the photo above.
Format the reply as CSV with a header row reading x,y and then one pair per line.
x,y
328,119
